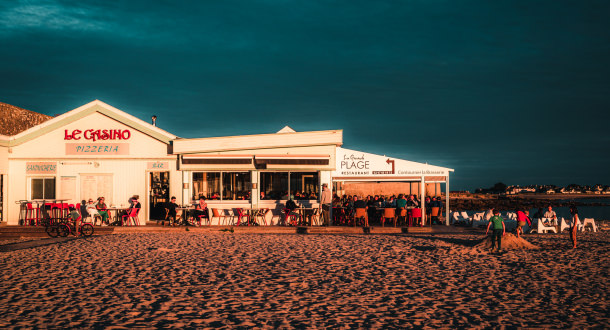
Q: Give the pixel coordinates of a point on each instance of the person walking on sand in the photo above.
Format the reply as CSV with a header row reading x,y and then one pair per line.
x,y
574,228
522,218
498,231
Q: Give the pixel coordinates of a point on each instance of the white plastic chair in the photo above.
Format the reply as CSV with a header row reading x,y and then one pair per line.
x,y
541,228
511,216
589,221
563,225
465,216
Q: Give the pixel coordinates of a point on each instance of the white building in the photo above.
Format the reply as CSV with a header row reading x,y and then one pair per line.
x,y
98,150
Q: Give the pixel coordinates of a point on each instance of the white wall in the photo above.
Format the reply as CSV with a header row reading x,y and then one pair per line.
x,y
129,172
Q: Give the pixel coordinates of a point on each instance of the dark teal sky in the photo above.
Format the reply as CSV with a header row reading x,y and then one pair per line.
x,y
512,91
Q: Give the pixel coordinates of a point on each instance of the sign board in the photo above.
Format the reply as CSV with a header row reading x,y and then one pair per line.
x,y
353,164
41,168
96,185
157,166
67,188
97,149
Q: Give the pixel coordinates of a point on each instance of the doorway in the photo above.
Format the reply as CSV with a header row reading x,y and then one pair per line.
x,y
158,194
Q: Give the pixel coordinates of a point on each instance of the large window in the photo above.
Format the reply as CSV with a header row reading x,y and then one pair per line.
x,y
43,188
222,185
206,185
282,185
274,185
236,185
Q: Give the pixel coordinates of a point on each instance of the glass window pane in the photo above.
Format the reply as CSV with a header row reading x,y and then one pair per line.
x,y
37,189
49,188
206,184
304,185
236,185
274,185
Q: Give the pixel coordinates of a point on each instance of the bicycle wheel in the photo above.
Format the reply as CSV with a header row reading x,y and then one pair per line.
x,y
52,231
63,230
86,229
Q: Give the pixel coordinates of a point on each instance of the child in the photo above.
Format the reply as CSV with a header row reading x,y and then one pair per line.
x,y
74,216
498,230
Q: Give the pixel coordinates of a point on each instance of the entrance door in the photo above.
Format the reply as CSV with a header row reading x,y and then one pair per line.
x,y
158,193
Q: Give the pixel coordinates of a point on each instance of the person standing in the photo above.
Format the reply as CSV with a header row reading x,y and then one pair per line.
x,y
325,201
574,228
522,218
498,230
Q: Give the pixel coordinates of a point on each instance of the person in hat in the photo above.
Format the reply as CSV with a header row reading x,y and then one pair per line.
x,y
325,202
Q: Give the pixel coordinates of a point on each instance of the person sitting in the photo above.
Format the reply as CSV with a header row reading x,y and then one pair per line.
x,y
201,210
263,195
92,211
391,202
412,202
361,204
83,208
289,208
102,210
550,214
172,213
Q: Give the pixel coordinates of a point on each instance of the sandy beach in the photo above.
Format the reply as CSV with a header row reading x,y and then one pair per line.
x,y
305,281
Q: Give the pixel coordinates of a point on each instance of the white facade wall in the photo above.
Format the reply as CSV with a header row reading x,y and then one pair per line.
x,y
129,172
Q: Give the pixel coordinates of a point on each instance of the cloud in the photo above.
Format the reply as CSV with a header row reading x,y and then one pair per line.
x,y
49,15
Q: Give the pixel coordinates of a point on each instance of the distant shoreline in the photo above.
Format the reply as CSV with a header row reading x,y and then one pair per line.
x,y
466,202
527,196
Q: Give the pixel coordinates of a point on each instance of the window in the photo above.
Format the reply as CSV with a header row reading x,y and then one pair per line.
x,y
43,188
236,185
274,185
222,185
302,185
206,185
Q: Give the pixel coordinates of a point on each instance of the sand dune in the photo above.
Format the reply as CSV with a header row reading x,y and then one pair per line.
x,y
305,281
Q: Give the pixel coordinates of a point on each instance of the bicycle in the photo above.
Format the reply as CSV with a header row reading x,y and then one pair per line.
x,y
64,227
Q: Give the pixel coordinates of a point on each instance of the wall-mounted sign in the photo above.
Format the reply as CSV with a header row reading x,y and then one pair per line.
x,y
352,163
41,168
157,166
97,149
97,134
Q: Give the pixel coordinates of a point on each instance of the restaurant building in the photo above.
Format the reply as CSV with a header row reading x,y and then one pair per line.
x,y
98,150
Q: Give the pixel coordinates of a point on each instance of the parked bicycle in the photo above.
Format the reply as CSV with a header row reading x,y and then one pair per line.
x,y
64,228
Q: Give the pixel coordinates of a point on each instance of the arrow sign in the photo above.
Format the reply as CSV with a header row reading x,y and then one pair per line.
x,y
391,162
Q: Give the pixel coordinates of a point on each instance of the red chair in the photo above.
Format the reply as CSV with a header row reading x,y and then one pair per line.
x,y
291,218
65,209
240,215
31,214
131,215
415,214
206,216
263,214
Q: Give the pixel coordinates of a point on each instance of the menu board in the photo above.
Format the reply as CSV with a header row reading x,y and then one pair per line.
x,y
67,188
96,185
